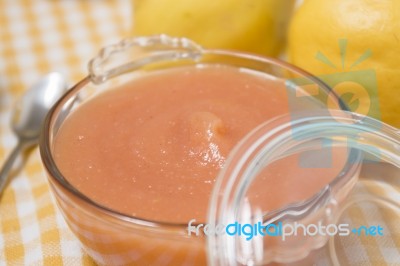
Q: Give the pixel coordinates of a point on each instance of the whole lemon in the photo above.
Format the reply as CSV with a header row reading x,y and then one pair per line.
x,y
257,26
357,43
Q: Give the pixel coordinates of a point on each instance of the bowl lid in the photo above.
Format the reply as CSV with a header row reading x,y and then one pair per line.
x,y
353,217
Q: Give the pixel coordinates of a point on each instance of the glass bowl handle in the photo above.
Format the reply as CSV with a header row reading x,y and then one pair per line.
x,y
134,53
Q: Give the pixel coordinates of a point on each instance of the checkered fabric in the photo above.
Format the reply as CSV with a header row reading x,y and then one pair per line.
x,y
37,37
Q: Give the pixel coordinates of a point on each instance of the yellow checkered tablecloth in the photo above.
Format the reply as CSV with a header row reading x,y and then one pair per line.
x,y
40,36
37,37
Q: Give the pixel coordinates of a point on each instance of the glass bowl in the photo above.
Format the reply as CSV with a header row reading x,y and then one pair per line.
x,y
114,238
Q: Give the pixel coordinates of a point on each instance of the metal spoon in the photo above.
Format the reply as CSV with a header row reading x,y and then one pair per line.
x,y
28,117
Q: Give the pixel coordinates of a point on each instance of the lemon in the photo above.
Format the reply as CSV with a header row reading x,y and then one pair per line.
x,y
357,43
257,26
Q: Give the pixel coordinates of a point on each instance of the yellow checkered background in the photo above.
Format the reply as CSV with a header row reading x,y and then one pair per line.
x,y
37,37
40,36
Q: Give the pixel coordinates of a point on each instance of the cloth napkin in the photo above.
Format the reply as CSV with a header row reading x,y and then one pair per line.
x,y
37,37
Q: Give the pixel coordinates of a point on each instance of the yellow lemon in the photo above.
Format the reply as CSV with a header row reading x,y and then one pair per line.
x,y
257,26
355,46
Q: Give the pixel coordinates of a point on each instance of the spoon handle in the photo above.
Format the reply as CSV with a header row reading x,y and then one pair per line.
x,y
4,173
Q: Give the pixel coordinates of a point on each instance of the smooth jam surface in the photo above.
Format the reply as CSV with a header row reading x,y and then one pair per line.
x,y
153,148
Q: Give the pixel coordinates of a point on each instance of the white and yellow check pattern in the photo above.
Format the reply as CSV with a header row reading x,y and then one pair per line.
x,y
40,36
37,37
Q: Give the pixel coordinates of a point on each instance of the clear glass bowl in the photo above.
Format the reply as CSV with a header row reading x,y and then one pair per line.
x,y
113,238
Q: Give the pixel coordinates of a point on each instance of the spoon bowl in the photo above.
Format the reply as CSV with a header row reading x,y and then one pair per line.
x,y
29,114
